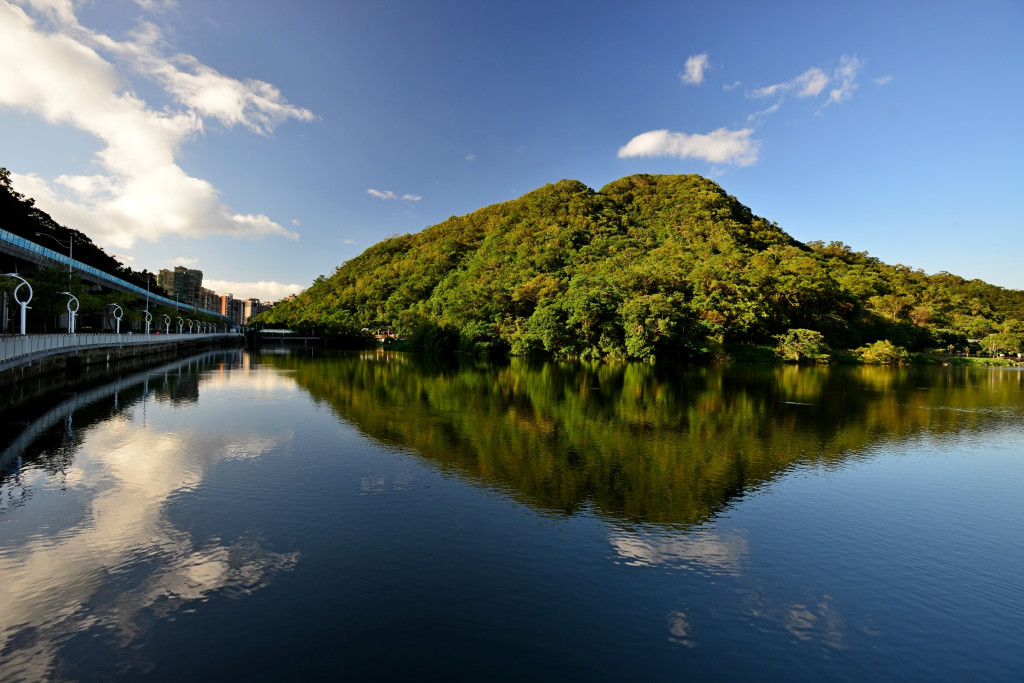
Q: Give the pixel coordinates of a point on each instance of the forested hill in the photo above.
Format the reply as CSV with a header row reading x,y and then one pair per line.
x,y
648,266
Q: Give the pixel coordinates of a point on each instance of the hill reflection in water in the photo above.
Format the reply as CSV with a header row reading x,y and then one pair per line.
x,y
642,444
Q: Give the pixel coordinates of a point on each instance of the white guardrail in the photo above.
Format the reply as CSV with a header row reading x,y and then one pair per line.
x,y
16,348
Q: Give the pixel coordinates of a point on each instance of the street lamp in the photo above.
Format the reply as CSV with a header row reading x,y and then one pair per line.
x,y
23,304
167,324
149,319
118,313
71,250
181,324
72,313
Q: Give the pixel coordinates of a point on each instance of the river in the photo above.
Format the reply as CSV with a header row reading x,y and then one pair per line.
x,y
376,516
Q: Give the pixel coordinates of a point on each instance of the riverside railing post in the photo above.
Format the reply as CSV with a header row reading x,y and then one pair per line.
x,y
72,313
23,304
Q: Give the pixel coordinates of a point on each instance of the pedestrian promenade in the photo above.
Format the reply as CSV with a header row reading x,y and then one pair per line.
x,y
19,349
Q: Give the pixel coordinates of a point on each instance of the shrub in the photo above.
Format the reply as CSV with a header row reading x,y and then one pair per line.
x,y
883,352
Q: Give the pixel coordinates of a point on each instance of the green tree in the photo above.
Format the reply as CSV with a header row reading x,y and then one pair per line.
x,y
803,345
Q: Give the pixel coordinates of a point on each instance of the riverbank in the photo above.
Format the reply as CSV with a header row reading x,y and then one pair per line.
x,y
29,358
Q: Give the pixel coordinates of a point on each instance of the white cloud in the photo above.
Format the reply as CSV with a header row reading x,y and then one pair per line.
x,y
262,290
764,112
470,157
694,70
720,146
388,194
845,77
182,261
883,80
154,5
53,68
812,83
808,84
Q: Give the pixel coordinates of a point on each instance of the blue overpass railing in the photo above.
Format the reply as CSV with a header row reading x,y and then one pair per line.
x,y
96,273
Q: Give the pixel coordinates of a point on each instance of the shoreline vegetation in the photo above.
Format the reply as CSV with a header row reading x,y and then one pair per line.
x,y
650,268
768,354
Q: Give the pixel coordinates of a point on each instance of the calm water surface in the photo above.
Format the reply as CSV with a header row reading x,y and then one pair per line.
x,y
376,516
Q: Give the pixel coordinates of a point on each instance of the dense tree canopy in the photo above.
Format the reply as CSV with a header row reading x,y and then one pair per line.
x,y
649,266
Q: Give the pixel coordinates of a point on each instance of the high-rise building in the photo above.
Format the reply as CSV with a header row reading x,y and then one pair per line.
x,y
251,308
208,299
238,311
183,284
231,307
224,304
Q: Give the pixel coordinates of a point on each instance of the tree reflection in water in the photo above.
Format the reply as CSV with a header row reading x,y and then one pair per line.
x,y
644,444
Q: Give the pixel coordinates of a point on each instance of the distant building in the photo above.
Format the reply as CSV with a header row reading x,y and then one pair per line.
x,y
232,308
183,284
251,308
208,299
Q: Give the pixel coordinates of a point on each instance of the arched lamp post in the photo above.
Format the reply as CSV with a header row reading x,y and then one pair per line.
x,y
23,304
72,312
149,319
181,324
190,324
118,314
167,324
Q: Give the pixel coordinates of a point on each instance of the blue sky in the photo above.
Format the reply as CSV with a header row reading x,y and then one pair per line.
x,y
267,142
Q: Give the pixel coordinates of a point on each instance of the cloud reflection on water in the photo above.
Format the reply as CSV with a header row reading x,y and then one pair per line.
x,y
125,472
703,550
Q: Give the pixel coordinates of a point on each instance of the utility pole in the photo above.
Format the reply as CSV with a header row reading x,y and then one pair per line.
x,y
71,250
